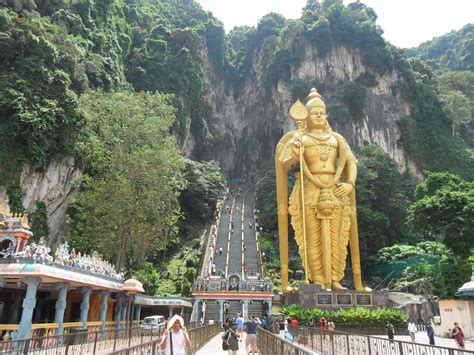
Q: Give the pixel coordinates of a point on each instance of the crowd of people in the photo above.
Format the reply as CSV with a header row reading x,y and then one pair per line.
x,y
456,333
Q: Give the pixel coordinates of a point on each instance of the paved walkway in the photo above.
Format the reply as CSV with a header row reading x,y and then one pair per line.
x,y
422,338
215,347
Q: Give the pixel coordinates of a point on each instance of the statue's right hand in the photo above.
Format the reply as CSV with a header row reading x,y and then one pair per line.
x,y
297,145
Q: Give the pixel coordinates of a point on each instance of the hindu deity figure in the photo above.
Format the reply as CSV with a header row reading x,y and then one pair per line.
x,y
322,204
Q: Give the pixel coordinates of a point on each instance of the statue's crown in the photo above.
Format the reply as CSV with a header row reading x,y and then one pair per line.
x,y
315,100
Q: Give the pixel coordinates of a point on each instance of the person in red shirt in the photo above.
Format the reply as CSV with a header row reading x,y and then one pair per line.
x,y
322,324
294,322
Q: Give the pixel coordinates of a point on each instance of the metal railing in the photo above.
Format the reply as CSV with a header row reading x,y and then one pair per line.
x,y
81,342
339,343
199,336
271,344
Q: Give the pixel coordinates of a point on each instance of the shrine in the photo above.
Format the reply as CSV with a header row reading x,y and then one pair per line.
x,y
43,294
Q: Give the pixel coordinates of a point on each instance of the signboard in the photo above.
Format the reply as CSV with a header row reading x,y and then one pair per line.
x,y
324,299
364,300
344,300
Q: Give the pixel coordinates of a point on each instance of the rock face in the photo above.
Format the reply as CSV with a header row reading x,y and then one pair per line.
x,y
249,122
52,184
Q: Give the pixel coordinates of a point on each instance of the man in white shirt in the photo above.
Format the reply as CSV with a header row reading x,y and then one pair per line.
x,y
176,339
412,330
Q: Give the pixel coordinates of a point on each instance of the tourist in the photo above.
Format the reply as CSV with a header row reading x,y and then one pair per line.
x,y
176,339
412,330
458,335
265,322
390,331
240,323
331,326
251,339
430,332
282,328
322,324
231,339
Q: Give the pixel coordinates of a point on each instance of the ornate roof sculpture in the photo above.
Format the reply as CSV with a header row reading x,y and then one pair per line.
x,y
14,235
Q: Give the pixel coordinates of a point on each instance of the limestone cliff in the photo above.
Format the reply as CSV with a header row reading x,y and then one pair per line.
x,y
248,123
53,184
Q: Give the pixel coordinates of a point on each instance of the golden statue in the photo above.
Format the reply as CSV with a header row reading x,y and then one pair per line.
x,y
322,204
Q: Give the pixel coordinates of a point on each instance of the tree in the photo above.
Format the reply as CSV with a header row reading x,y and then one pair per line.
x,y
444,211
382,199
130,197
205,184
457,108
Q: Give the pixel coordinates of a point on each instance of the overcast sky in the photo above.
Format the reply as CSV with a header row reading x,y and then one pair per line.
x,y
406,23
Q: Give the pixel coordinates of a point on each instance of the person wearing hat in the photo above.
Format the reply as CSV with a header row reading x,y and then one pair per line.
x,y
176,339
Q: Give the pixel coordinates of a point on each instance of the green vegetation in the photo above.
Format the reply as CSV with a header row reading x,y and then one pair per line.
x,y
39,222
452,51
349,318
120,86
135,164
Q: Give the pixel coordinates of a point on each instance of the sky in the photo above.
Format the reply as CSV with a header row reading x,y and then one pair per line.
x,y
406,23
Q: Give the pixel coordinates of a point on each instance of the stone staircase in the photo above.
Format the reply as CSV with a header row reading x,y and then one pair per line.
x,y
235,245
220,260
251,257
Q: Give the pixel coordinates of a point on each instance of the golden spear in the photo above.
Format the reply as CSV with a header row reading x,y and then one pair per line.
x,y
299,114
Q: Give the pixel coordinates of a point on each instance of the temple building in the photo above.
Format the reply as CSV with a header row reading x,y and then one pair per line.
x,y
43,294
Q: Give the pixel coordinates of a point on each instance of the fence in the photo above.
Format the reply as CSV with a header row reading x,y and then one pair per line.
x,y
339,343
81,342
271,344
199,337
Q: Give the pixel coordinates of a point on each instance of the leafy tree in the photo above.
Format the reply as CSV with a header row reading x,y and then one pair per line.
x,y
444,211
130,198
205,184
382,199
39,221
457,108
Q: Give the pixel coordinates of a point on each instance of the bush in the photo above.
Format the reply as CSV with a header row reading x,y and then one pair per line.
x,y
350,317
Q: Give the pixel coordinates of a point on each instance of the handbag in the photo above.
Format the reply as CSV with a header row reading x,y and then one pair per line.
x,y
171,344
225,345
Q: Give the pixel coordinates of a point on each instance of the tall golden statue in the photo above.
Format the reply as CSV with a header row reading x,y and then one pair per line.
x,y
322,204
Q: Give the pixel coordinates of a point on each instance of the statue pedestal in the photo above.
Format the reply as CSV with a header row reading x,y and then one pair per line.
x,y
312,296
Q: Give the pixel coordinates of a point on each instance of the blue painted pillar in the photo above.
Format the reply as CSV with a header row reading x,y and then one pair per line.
x,y
124,311
118,310
198,312
245,311
86,294
103,308
29,303
269,306
221,311
138,309
60,307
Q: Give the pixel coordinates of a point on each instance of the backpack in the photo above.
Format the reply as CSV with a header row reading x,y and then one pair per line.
x,y
225,346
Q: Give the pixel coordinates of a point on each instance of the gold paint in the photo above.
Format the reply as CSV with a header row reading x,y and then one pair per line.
x,y
322,208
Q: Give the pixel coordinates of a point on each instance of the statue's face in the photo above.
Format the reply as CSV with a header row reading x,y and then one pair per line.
x,y
317,118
